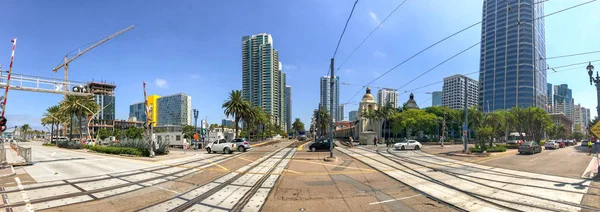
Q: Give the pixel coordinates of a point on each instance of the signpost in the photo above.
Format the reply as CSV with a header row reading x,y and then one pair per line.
x,y
596,129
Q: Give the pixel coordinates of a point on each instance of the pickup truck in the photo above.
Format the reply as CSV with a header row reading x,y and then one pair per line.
x,y
220,145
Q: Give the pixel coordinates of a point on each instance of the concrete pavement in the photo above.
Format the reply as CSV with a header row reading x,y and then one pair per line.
x,y
474,187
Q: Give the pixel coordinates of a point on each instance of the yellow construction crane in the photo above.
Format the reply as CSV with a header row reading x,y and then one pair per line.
x,y
67,60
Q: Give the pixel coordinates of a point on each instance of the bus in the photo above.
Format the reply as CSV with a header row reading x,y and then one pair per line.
x,y
515,138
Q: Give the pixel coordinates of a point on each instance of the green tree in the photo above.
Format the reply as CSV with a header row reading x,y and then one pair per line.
x,y
78,106
188,131
104,133
298,126
416,120
323,119
577,136
484,134
495,121
236,106
24,130
213,126
384,114
134,133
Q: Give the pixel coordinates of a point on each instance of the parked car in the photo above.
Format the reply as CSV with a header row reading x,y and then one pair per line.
x,y
561,143
302,138
241,144
551,144
529,147
319,145
408,144
571,142
220,145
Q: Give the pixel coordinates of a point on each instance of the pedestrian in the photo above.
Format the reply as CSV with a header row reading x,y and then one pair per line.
x,y
590,146
374,141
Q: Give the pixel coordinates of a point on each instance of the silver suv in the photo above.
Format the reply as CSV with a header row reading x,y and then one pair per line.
x,y
241,143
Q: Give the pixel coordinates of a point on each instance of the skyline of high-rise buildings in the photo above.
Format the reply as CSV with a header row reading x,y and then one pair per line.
x,y
263,80
387,96
174,109
325,94
512,41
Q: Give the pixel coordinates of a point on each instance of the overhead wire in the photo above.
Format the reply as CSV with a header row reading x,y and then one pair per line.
x,y
518,23
342,35
368,36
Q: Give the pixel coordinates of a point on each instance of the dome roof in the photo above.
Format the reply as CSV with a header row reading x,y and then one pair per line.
x,y
368,97
411,103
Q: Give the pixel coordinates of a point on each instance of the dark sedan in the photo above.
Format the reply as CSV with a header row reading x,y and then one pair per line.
x,y
321,144
529,147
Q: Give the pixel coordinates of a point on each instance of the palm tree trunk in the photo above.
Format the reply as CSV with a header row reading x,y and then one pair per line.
x,y
71,126
51,131
237,120
80,127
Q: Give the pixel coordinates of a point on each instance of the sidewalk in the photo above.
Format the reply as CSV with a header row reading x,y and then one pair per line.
x,y
592,169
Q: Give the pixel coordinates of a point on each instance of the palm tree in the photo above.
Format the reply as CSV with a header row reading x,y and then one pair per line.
x,y
51,116
495,120
77,106
323,119
298,126
384,114
24,130
236,106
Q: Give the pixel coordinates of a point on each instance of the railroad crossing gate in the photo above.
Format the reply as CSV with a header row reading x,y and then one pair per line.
x,y
596,129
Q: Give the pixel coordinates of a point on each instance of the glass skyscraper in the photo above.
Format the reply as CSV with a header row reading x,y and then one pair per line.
x,y
263,80
325,96
174,110
512,43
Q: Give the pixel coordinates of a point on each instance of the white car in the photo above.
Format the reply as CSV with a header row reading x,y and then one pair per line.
x,y
220,146
408,144
551,144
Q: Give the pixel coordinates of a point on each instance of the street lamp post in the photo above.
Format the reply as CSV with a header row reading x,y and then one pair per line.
x,y
195,128
596,81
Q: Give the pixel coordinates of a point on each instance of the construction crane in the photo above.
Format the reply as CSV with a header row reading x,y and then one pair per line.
x,y
67,60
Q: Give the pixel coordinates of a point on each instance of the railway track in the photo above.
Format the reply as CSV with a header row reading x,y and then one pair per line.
x,y
85,189
233,191
423,169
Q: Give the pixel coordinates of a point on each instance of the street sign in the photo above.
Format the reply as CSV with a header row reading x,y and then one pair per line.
x,y
596,129
464,133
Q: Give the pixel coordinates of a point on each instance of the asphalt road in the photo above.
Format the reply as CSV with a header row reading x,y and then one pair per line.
x,y
570,161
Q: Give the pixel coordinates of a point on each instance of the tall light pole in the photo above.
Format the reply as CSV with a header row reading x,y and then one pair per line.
x,y
195,128
596,81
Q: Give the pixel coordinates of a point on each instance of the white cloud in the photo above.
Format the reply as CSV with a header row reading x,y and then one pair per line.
x,y
195,76
289,67
349,71
379,54
161,83
374,17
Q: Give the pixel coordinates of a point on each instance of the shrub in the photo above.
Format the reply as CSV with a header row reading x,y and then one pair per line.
x,y
69,144
499,148
48,144
509,146
115,150
142,145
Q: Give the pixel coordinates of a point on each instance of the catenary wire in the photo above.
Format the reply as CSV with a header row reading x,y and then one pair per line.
x,y
460,31
368,36
342,35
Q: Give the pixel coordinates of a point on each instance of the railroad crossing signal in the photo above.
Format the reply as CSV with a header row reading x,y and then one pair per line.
x,y
596,129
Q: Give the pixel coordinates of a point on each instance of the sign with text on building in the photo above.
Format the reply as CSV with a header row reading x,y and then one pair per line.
x,y
596,129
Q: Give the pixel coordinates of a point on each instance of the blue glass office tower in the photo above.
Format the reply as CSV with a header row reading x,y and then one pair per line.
x,y
510,70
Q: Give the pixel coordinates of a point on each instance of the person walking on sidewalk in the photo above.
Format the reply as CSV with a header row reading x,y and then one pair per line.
x,y
590,147
374,141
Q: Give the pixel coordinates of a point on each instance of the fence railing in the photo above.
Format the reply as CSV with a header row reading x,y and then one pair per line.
x,y
24,152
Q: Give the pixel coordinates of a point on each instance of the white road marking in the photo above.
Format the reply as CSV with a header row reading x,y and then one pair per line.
x,y
589,171
534,159
391,200
53,154
50,170
24,195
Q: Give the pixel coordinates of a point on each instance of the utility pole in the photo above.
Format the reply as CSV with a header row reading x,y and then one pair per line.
x,y
319,125
148,122
331,103
466,124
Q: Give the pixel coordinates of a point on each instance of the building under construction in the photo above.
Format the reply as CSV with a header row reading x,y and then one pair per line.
x,y
104,95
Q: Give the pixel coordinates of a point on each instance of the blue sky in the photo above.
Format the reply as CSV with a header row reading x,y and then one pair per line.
x,y
194,47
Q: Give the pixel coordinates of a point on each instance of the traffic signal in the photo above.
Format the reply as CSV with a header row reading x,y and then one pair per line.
x,y
2,123
203,131
80,89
